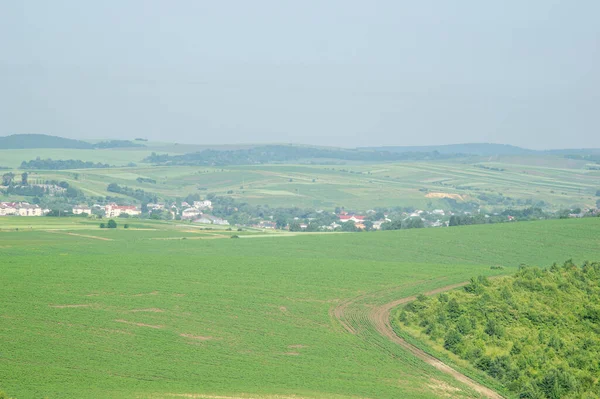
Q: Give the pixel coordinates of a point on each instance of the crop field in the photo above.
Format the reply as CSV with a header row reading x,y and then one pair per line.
x,y
144,313
559,182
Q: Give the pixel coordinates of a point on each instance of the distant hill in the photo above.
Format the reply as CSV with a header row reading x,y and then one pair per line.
x,y
481,149
20,141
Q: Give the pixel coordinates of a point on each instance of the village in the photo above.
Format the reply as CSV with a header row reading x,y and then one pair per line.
x,y
200,212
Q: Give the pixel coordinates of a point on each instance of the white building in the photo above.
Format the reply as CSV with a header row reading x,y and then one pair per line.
x,y
81,209
190,213
114,210
8,208
26,209
206,204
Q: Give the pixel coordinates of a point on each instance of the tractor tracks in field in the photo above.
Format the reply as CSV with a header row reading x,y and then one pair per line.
x,y
361,316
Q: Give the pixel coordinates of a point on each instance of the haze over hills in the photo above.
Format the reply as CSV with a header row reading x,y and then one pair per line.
x,y
24,141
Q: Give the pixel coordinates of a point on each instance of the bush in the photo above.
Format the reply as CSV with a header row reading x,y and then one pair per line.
x,y
235,236
452,340
102,225
111,224
125,226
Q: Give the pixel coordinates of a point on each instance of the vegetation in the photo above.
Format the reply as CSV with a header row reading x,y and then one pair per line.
x,y
17,141
138,194
284,154
116,144
537,332
49,164
143,313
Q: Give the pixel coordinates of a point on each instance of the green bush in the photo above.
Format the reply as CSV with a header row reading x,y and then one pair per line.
x,y
111,224
537,332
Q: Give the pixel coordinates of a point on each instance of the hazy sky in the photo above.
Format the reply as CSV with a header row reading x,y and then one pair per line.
x,y
349,73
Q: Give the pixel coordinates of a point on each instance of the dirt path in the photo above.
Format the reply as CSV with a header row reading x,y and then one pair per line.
x,y
351,314
80,235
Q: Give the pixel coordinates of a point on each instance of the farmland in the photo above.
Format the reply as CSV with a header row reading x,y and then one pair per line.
x,y
145,313
503,181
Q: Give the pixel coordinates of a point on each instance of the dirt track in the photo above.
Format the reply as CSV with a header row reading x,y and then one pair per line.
x,y
378,317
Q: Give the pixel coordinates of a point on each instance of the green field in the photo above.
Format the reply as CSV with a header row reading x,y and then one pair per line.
x,y
359,186
144,313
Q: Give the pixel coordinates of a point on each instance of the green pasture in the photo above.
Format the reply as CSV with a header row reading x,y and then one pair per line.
x,y
145,316
559,182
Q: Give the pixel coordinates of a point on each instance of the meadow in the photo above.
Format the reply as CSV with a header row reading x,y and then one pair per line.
x,y
145,313
494,183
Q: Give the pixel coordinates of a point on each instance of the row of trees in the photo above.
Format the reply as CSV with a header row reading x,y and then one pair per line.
x,y
537,332
136,193
287,153
49,164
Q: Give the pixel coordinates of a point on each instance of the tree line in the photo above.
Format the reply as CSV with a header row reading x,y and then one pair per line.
x,y
537,332
50,164
283,154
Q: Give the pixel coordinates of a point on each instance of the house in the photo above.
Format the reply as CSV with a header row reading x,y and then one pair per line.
x,y
8,208
155,206
354,218
206,204
203,220
25,209
438,212
265,224
190,213
334,226
114,210
377,224
80,209
209,219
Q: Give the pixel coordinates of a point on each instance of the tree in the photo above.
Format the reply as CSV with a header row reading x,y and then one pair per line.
x,y
368,225
413,223
349,226
7,178
295,226
125,226
102,225
24,178
452,340
112,224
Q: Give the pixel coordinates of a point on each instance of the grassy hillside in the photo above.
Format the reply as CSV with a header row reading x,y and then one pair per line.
x,y
20,141
537,332
492,182
145,313
484,149
521,182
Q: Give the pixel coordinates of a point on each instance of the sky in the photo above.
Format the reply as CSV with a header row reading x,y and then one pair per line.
x,y
338,72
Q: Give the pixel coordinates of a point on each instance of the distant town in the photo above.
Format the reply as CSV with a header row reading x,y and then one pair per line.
x,y
201,212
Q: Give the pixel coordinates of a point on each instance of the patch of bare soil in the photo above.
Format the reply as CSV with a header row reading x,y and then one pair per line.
x,y
147,293
70,306
443,389
138,324
153,310
197,337
379,318
444,195
299,346
89,236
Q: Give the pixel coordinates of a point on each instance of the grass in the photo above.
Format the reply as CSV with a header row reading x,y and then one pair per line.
x,y
150,318
560,182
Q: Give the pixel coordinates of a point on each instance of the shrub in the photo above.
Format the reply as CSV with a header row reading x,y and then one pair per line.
x,y
452,340
111,224
102,225
126,226
235,236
